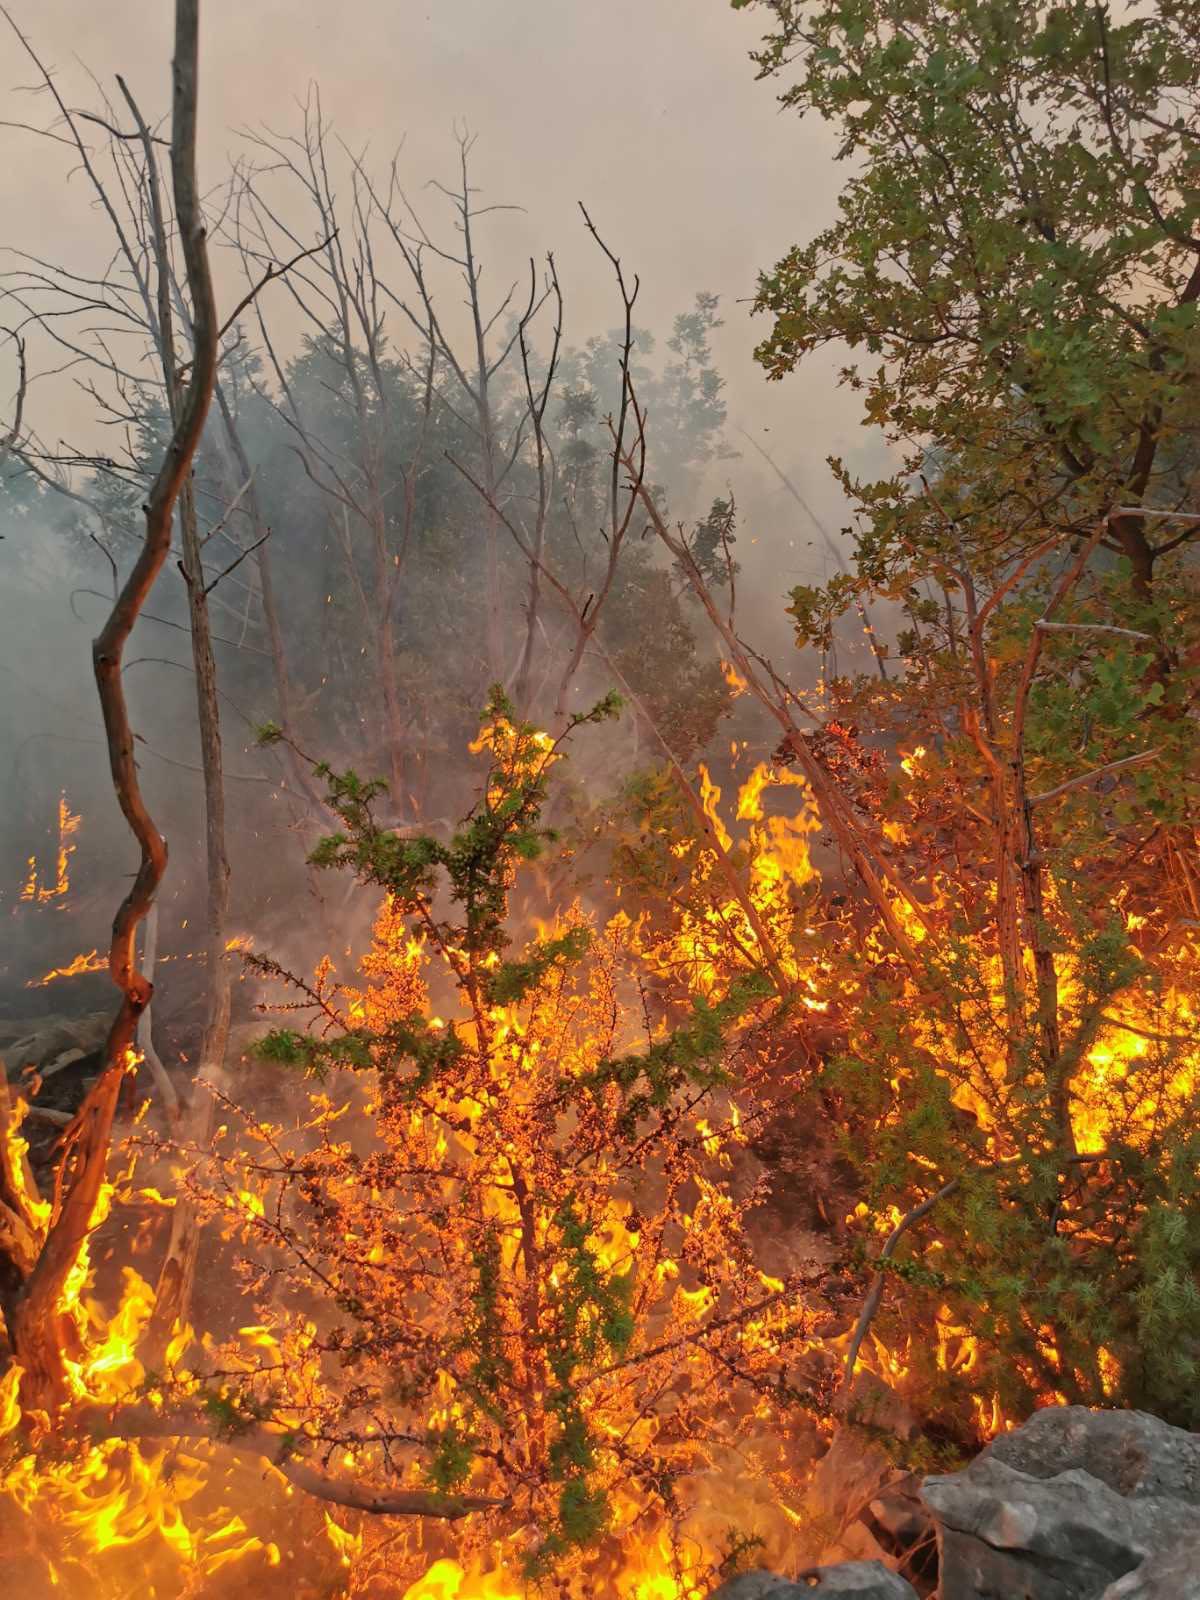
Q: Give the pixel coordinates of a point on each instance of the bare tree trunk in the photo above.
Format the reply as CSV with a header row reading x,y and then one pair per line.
x,y
36,1324
385,657
145,1030
216,1026
13,436
177,1271
174,1281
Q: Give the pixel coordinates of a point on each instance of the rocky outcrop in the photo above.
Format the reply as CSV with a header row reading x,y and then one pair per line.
x,y
849,1580
1074,1505
1138,1456
51,1044
1068,1507
1003,1533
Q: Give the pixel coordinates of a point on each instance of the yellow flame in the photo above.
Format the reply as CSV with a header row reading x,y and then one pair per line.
x,y
55,888
93,961
733,678
348,1545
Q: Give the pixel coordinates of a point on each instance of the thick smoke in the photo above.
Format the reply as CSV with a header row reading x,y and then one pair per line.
x,y
554,129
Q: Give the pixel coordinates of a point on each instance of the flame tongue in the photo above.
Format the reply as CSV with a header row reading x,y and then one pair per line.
x,y
38,887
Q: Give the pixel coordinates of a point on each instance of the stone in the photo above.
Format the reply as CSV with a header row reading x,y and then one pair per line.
x,y
1067,1507
1007,1536
1135,1454
852,1580
1171,1574
759,1586
50,1043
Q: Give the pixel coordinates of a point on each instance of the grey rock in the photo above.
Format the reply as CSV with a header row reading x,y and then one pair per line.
x,y
759,1586
1172,1574
862,1580
1135,1454
853,1580
1067,1507
900,1514
51,1043
1007,1536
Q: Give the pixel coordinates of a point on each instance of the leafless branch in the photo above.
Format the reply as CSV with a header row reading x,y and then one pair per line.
x,y
1084,779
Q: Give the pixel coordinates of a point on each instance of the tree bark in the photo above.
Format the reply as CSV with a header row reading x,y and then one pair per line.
x,y
36,1326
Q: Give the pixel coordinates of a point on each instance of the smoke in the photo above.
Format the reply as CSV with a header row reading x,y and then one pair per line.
x,y
647,110
614,106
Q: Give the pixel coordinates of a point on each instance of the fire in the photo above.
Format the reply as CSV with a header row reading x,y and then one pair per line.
x,y
733,678
105,1495
347,1545
710,797
41,888
424,1199
92,961
473,1164
780,877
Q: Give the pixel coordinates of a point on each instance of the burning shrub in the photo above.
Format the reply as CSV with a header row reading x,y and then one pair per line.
x,y
501,1263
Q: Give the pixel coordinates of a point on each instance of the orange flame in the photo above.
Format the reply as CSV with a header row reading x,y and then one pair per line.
x,y
93,961
38,890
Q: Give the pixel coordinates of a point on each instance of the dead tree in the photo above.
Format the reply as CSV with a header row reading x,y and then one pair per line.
x,y
339,294
474,370
36,1325
583,599
12,437
583,602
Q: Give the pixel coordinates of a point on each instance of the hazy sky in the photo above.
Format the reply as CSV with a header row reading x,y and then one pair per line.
x,y
647,110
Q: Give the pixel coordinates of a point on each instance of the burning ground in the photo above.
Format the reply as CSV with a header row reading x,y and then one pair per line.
x,y
503,1226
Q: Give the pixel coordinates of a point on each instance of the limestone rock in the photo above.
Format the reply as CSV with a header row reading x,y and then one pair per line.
x,y
51,1043
1135,1454
1172,1574
852,1580
1006,1534
1069,1507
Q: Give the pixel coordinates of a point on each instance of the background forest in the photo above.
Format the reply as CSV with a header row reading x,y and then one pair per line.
x,y
630,1031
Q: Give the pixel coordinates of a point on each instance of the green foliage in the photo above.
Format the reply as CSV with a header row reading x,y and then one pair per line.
x,y
1013,269
451,1459
711,541
483,1331
816,610
479,861
512,980
232,1413
1013,254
